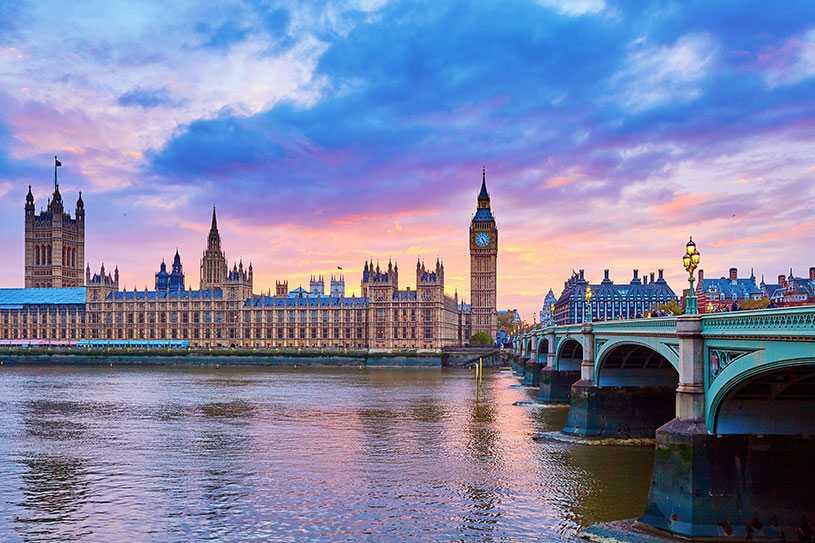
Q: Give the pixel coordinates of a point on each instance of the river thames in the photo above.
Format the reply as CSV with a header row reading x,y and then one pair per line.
x,y
178,454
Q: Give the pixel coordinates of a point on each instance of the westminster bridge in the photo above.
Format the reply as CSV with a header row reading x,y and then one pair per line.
x,y
730,398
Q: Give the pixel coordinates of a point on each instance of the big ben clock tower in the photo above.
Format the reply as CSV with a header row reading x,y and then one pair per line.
x,y
483,257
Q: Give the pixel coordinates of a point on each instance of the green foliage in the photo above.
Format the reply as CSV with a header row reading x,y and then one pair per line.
x,y
481,339
673,307
761,303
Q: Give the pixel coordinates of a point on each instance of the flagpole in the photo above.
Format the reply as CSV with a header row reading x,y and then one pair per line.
x,y
56,183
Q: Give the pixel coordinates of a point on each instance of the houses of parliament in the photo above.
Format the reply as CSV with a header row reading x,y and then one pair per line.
x,y
64,304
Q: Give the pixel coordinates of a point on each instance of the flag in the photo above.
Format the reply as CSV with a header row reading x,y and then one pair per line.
x,y
58,163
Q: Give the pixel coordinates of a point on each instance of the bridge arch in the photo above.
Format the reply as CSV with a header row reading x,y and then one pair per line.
x,y
773,398
635,364
569,354
640,362
542,350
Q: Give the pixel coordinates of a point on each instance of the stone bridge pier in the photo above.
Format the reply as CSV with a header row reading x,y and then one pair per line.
x,y
625,392
739,464
562,369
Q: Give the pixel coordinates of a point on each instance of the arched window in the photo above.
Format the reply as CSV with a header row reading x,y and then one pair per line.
x,y
49,254
37,255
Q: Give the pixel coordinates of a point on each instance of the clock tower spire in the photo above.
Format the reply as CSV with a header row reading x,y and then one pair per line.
x,y
483,259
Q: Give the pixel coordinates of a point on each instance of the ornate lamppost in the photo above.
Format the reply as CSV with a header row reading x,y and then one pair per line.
x,y
588,303
690,261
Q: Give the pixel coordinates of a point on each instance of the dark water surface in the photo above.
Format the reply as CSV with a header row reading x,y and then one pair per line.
x,y
255,454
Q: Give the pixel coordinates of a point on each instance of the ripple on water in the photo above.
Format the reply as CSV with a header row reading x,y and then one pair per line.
x,y
222,454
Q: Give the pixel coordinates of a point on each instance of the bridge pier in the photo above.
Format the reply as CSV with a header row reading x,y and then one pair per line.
x,y
737,486
623,412
555,386
614,411
532,373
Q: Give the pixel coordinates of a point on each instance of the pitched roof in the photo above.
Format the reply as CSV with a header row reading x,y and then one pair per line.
x,y
13,298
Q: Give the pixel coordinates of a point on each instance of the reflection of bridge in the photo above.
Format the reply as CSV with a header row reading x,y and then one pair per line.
x,y
730,398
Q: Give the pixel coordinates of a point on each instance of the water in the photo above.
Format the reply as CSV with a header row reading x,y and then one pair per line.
x,y
255,454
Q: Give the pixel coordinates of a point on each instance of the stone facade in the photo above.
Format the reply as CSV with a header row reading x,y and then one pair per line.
x,y
54,242
225,312
635,299
483,264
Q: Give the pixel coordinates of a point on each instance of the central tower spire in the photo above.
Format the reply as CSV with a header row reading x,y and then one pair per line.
x,y
214,238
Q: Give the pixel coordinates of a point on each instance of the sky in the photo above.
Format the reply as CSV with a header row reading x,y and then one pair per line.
x,y
328,133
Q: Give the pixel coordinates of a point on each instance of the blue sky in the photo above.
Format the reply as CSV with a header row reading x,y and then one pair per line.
x,y
331,132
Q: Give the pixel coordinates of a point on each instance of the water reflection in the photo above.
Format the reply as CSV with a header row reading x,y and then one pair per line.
x,y
227,454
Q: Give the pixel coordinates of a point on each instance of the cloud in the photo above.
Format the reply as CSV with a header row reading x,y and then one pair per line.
x,y
575,7
147,98
656,75
791,62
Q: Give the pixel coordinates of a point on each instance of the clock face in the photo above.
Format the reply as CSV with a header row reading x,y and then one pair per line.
x,y
482,239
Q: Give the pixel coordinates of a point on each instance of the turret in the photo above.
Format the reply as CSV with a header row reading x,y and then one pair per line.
x,y
29,203
80,208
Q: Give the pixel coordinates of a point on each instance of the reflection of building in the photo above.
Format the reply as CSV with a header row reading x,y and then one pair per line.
x,y
720,294
791,290
224,312
610,301
54,242
547,315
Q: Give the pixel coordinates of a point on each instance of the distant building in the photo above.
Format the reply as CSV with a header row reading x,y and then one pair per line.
x,y
316,285
610,301
547,315
791,290
723,293
170,282
337,286
509,316
224,311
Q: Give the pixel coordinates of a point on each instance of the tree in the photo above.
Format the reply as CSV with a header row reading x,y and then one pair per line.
x,y
481,339
673,307
761,303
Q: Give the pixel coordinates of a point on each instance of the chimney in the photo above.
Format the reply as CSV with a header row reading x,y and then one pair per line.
x,y
812,273
782,281
734,273
645,279
636,274
605,274
701,277
661,278
652,277
581,274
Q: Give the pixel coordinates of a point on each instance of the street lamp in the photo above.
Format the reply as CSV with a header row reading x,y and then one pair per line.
x,y
690,260
588,303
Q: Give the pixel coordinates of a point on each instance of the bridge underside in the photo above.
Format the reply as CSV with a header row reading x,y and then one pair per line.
x,y
753,478
774,402
556,383
635,395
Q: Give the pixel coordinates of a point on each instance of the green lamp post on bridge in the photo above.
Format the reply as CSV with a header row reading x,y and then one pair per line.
x,y
588,303
690,261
